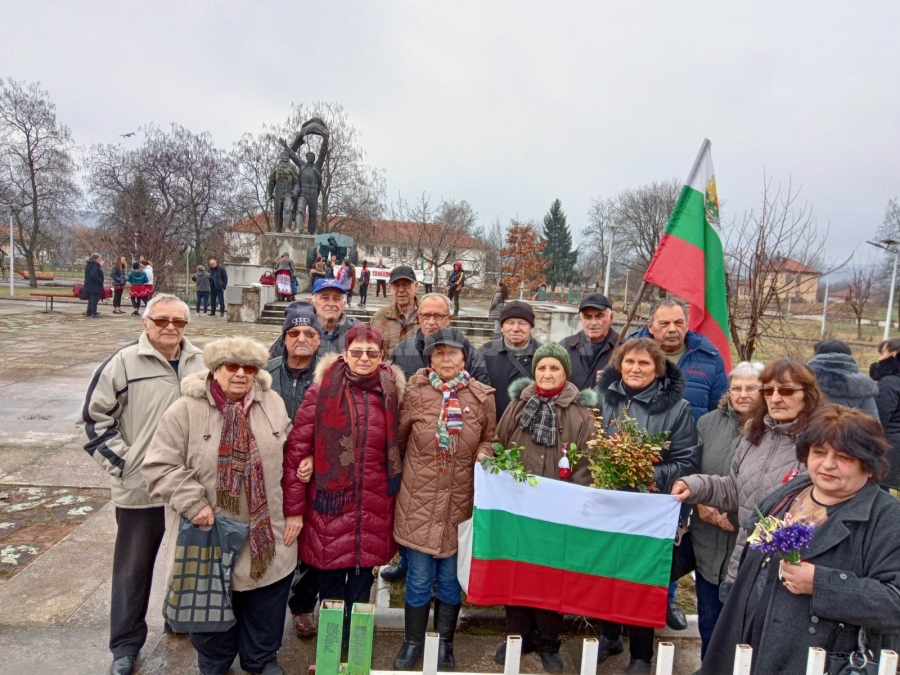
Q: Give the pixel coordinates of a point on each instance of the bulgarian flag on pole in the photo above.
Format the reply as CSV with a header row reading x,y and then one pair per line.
x,y
690,262
568,548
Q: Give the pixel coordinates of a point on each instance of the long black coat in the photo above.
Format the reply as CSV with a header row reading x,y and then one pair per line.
x,y
887,374
857,583
503,371
93,277
585,363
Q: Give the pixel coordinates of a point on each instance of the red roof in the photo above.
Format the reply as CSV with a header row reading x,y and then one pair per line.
x,y
792,266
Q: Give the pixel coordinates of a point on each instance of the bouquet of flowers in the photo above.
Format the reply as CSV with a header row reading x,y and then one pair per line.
x,y
788,538
508,459
626,458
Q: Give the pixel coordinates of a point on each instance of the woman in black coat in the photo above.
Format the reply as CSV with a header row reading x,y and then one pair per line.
x,y
886,373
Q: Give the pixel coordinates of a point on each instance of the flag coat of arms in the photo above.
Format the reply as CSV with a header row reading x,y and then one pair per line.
x,y
570,549
690,261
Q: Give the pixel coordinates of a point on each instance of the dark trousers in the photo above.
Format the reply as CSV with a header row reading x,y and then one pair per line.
x,y
304,589
139,534
708,609
256,636
381,287
453,294
429,288
136,302
93,301
349,297
640,639
349,585
202,299
363,293
217,296
539,628
117,298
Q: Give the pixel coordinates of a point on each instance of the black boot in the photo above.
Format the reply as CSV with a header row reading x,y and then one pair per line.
x,y
415,621
445,618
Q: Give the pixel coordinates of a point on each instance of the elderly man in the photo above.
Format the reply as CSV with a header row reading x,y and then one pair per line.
x,y
218,283
127,395
508,358
590,348
93,284
692,352
397,321
328,299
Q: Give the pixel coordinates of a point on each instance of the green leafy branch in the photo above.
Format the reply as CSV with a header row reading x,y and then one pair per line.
x,y
509,459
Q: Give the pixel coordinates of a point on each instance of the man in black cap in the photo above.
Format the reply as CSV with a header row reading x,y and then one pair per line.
x,y
591,347
292,372
508,358
397,321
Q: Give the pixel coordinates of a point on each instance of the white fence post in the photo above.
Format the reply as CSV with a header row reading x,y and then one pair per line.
x,y
815,664
513,655
429,661
665,658
887,662
743,658
589,650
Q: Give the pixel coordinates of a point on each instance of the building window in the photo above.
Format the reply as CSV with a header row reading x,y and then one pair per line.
x,y
386,251
401,252
370,249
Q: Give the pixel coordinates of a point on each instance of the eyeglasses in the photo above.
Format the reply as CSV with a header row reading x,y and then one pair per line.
x,y
234,367
436,316
371,353
163,321
308,333
783,392
750,389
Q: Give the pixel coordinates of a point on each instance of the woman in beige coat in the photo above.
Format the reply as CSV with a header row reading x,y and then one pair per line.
x,y
447,423
219,450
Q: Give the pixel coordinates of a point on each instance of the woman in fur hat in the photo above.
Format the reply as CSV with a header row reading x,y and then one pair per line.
x,y
545,416
348,422
218,450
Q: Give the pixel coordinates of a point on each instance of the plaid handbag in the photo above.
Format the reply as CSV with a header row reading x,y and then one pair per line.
x,y
199,596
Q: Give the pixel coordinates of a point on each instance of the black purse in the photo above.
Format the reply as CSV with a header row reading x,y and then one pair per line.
x,y
858,662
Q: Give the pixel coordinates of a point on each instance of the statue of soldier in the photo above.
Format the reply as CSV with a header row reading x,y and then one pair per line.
x,y
306,192
283,183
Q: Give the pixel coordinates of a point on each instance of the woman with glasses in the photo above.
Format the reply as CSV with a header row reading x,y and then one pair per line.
x,y
218,450
348,423
713,532
765,457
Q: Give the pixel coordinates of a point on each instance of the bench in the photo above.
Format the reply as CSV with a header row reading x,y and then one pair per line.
x,y
48,299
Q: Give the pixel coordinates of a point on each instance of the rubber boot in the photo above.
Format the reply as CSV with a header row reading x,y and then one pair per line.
x,y
415,621
445,618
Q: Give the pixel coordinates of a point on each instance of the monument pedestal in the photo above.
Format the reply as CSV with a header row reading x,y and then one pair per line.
x,y
273,244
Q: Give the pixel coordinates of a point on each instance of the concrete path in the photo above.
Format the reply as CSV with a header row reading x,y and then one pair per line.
x,y
54,614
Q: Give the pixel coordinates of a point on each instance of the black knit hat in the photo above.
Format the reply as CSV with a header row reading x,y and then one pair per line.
x,y
299,314
517,310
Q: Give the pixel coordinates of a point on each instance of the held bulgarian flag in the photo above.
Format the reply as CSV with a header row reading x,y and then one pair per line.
x,y
690,262
570,549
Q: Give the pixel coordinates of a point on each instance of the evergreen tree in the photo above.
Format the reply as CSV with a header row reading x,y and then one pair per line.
x,y
560,257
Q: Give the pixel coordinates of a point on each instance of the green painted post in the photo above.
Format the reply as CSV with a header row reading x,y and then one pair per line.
x,y
362,630
328,643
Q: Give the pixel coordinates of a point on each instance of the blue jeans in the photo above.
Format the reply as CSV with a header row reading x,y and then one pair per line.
x,y
423,569
672,588
708,609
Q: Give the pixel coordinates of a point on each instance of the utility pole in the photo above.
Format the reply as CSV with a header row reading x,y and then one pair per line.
x,y
824,310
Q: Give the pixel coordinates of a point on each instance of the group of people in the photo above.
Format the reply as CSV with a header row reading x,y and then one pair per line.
x,y
345,444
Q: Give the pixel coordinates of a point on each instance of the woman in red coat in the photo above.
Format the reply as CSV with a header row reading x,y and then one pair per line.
x,y
348,423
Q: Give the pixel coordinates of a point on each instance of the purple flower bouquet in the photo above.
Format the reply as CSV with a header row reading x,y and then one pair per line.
x,y
787,538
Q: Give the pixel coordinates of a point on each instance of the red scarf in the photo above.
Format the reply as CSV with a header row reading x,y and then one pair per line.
x,y
336,442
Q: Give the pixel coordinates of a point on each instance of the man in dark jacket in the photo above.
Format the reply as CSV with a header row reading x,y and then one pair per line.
x,y
886,372
93,283
329,300
218,284
590,348
692,352
508,358
292,372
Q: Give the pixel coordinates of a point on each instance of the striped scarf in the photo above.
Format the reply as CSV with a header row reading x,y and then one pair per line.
x,y
539,417
450,422
240,466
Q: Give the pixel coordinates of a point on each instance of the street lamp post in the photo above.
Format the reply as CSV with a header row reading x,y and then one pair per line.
x,y
13,210
889,246
612,231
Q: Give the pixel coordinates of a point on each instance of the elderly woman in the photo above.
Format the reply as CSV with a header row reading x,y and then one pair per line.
x,y
848,581
219,450
348,422
766,456
545,416
447,423
713,532
649,388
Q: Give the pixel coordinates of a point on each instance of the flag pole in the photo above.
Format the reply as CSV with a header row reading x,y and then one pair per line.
x,y
630,317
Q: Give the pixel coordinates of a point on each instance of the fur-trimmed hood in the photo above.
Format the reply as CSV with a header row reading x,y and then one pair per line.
x,y
660,397
327,361
585,397
196,384
839,375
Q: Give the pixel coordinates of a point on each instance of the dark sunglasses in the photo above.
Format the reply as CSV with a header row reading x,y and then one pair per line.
x,y
371,353
162,322
783,392
308,333
234,367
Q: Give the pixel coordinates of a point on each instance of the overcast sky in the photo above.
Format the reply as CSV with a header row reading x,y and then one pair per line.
x,y
508,105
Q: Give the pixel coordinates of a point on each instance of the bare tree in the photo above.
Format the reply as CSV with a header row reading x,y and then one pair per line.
x,y
859,292
441,234
37,170
596,243
492,241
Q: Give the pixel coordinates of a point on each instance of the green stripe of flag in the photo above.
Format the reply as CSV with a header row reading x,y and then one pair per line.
x,y
636,558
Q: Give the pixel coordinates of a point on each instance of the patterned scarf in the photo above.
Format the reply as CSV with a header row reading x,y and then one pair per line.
x,y
335,440
539,417
240,466
450,422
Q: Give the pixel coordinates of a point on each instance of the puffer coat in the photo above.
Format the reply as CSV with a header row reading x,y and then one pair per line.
x,y
756,470
839,377
361,536
658,408
574,422
432,504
